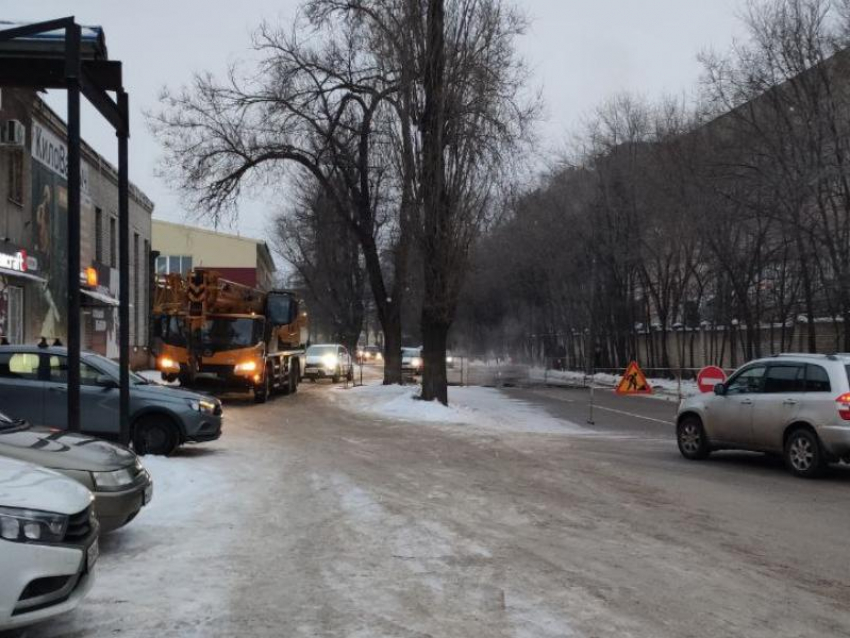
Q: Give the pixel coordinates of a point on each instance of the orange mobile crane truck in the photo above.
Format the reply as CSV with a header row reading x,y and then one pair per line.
x,y
209,327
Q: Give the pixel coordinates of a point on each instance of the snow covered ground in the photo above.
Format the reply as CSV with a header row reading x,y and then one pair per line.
x,y
472,406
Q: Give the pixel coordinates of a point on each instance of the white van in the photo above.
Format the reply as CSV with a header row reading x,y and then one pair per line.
x,y
48,543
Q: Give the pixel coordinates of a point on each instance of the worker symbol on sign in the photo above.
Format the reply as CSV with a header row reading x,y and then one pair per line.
x,y
634,381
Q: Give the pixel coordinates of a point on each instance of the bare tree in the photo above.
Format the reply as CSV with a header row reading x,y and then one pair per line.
x,y
326,257
306,105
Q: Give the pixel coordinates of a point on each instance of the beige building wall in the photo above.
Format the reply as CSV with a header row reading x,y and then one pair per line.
x,y
241,259
208,248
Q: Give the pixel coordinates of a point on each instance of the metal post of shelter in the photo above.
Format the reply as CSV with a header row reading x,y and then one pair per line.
x,y
124,272
73,69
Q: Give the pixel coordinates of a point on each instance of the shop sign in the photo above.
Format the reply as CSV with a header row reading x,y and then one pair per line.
x,y
17,261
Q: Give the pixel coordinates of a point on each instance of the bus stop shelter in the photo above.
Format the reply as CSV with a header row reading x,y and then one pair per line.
x,y
61,54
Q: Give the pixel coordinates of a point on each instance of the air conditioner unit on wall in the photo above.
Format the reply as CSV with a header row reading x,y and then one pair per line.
x,y
12,133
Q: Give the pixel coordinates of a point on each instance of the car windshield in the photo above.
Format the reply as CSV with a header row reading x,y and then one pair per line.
x,y
318,351
171,329
229,333
112,368
410,352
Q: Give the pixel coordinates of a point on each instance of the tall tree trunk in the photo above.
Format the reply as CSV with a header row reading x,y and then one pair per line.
x,y
436,242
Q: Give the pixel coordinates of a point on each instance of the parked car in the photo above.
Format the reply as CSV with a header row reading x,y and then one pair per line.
x,y
411,361
328,361
34,383
115,475
48,543
797,405
370,354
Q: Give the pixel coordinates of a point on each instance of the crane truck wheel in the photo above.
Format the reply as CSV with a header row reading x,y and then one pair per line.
x,y
262,391
294,377
155,434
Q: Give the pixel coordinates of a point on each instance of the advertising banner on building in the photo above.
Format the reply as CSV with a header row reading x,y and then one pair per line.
x,y
49,226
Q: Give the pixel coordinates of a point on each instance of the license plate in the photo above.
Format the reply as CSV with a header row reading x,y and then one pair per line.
x,y
148,494
92,554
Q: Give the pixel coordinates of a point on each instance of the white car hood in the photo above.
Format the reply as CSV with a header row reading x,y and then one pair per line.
x,y
32,487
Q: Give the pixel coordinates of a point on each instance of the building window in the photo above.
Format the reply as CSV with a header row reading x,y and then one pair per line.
x,y
16,177
98,235
167,264
113,242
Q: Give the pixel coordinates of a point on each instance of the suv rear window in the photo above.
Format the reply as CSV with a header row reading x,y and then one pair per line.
x,y
817,379
785,378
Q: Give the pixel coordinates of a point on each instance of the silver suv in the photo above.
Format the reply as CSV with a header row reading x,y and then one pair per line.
x,y
797,405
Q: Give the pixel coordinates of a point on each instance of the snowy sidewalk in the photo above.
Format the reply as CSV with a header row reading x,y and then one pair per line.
x,y
471,406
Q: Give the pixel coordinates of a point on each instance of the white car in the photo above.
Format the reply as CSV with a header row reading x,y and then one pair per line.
x,y
411,361
48,543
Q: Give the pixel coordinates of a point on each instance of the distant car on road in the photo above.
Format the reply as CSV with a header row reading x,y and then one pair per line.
x,y
115,475
48,543
411,361
796,405
370,354
330,360
34,386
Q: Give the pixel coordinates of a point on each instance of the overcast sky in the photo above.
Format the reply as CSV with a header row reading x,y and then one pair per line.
x,y
582,51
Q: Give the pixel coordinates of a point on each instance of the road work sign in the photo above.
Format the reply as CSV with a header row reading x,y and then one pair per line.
x,y
634,381
709,377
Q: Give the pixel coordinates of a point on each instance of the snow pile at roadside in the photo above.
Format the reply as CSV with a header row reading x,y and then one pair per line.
x,y
471,406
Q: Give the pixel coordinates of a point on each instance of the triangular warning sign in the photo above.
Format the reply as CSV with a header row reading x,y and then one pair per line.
x,y
634,381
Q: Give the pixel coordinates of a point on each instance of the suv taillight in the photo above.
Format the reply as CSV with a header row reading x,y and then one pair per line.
x,y
843,405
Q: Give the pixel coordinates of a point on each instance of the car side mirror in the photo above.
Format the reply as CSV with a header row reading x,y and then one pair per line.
x,y
105,381
720,390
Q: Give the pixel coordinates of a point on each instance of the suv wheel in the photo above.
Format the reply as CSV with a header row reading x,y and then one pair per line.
x,y
803,454
692,440
155,434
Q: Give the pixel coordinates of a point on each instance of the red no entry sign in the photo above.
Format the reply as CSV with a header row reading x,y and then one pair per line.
x,y
710,377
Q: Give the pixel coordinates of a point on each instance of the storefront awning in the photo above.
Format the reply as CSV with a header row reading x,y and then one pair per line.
x,y
8,272
104,299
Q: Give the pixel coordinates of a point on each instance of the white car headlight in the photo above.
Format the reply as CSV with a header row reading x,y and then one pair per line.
x,y
113,480
330,361
415,362
26,525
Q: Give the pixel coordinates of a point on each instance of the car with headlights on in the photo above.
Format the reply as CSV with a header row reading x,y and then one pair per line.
x,y
48,543
796,405
328,361
411,361
370,354
34,386
117,478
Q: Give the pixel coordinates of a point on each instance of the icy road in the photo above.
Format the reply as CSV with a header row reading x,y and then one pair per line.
x,y
354,514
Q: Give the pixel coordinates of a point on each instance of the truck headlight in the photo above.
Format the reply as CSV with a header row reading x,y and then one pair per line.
x,y
27,525
415,362
168,364
115,480
330,361
202,405
245,366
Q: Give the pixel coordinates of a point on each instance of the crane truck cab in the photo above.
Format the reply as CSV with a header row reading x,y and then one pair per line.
x,y
210,329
